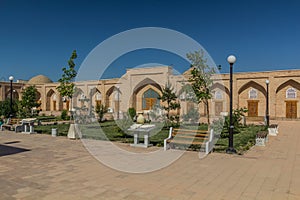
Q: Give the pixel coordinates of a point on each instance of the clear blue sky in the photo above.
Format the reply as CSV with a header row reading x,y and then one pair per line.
x,y
38,36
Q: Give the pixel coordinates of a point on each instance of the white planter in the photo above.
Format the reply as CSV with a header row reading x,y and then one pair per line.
x,y
260,141
273,131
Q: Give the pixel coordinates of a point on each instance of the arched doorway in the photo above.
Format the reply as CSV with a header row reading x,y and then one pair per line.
x,y
287,99
52,100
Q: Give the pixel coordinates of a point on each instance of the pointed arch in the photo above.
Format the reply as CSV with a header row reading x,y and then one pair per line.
x,y
291,83
78,92
253,85
93,91
221,87
145,82
96,97
76,96
50,103
111,96
138,90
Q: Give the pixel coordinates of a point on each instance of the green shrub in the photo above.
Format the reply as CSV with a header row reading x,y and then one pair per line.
x,y
100,110
237,115
131,113
64,115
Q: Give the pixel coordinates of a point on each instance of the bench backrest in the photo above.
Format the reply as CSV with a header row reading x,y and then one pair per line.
x,y
13,121
195,133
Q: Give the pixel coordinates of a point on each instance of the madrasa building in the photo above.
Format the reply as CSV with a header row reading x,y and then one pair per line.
x,y
140,88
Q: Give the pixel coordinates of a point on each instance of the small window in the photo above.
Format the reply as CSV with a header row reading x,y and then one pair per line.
x,y
291,93
218,94
253,94
98,96
117,95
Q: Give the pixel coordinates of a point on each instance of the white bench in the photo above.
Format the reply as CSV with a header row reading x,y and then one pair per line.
x,y
190,137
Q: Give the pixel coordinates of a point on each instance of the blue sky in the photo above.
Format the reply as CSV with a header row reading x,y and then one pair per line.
x,y
38,37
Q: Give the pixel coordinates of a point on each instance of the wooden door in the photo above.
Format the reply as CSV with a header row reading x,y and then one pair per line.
x,y
68,105
291,109
150,102
218,108
252,108
117,106
54,105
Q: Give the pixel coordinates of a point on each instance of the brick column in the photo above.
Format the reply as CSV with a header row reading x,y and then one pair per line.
x,y
272,97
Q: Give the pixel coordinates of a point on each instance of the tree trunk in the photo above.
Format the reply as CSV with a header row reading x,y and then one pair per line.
x,y
207,111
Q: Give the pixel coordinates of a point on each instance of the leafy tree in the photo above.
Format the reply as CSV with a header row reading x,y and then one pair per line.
x,y
170,98
100,110
201,78
66,87
28,102
5,107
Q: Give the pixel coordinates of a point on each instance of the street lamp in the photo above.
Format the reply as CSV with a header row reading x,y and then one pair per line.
x,y
231,60
11,78
267,104
118,106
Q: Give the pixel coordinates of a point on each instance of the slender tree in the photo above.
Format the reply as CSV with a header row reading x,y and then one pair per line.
x,y
170,98
200,78
66,87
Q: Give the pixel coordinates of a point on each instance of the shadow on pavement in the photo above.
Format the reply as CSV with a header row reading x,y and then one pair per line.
x,y
8,150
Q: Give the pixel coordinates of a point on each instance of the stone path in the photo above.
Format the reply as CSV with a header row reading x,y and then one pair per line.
x,y
43,167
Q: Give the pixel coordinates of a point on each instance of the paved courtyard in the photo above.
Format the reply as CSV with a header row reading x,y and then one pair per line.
x,y
44,167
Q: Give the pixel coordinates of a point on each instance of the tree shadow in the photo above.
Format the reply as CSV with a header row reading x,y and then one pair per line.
x,y
9,150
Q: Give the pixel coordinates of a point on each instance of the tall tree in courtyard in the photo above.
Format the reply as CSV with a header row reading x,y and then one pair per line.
x,y
29,101
66,87
200,78
170,98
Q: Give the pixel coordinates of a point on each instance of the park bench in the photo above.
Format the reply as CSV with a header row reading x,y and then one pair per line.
x,y
190,138
12,124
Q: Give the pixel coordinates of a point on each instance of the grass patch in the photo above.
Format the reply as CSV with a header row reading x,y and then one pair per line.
x,y
109,130
46,129
242,141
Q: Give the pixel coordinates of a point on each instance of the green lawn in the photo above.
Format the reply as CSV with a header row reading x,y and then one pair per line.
x,y
110,131
241,141
46,129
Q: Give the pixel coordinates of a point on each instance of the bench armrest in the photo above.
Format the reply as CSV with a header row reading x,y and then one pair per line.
x,y
169,137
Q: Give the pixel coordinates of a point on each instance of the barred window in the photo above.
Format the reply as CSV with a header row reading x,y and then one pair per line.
x,y
98,96
291,93
218,94
253,94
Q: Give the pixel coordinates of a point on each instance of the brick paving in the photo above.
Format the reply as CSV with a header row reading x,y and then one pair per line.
x,y
45,167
